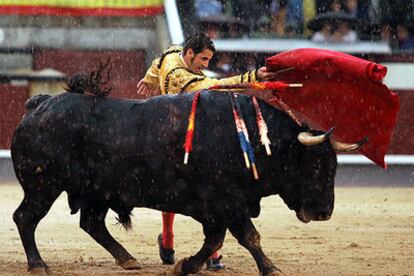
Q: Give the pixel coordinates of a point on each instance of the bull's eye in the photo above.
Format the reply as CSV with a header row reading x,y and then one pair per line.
x,y
316,169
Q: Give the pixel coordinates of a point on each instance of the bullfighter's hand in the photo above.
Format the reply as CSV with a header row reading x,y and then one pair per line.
x,y
147,90
264,75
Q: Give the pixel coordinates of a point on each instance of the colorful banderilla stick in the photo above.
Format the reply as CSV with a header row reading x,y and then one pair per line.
x,y
261,124
250,151
188,145
242,137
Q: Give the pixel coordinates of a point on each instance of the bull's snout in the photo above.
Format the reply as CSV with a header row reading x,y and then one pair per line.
x,y
306,216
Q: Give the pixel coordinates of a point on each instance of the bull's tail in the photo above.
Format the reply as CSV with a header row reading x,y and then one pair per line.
x,y
91,83
124,218
33,102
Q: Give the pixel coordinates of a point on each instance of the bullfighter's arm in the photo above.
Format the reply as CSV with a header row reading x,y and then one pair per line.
x,y
150,85
245,77
182,80
151,77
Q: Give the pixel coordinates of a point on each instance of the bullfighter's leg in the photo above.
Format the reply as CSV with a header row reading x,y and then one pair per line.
x,y
166,244
246,234
35,205
166,239
214,237
92,220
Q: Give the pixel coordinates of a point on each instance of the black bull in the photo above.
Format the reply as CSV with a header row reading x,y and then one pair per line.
x,y
120,154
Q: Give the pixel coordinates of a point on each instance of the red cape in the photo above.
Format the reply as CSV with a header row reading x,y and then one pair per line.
x,y
343,91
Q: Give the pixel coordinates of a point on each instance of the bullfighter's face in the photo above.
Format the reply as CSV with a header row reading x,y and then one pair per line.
x,y
197,62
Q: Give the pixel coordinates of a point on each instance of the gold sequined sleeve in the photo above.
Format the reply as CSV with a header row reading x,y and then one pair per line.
x,y
151,76
193,82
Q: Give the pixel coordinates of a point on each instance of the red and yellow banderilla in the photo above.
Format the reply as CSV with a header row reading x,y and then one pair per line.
x,y
266,85
188,144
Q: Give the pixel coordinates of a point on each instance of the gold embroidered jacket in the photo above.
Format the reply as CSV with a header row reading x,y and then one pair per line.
x,y
171,74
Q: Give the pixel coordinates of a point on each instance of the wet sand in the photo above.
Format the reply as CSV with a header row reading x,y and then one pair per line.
x,y
371,232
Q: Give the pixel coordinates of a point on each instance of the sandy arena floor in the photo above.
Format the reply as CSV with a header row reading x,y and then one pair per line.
x,y
371,233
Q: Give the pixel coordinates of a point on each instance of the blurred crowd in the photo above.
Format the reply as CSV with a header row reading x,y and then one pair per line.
x,y
324,21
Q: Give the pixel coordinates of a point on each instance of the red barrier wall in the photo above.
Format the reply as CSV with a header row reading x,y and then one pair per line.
x,y
12,99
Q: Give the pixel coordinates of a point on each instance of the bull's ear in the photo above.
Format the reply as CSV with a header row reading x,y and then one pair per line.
x,y
345,147
307,138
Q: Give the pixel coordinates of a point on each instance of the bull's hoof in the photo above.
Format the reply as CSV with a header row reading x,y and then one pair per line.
x,y
276,272
40,271
131,264
178,268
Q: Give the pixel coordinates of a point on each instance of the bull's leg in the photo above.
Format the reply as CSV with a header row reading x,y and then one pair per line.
x,y
34,207
246,234
92,220
214,237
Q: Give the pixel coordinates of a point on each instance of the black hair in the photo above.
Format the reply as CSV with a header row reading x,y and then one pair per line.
x,y
198,42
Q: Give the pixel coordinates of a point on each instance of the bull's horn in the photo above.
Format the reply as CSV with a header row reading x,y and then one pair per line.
x,y
345,147
307,138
